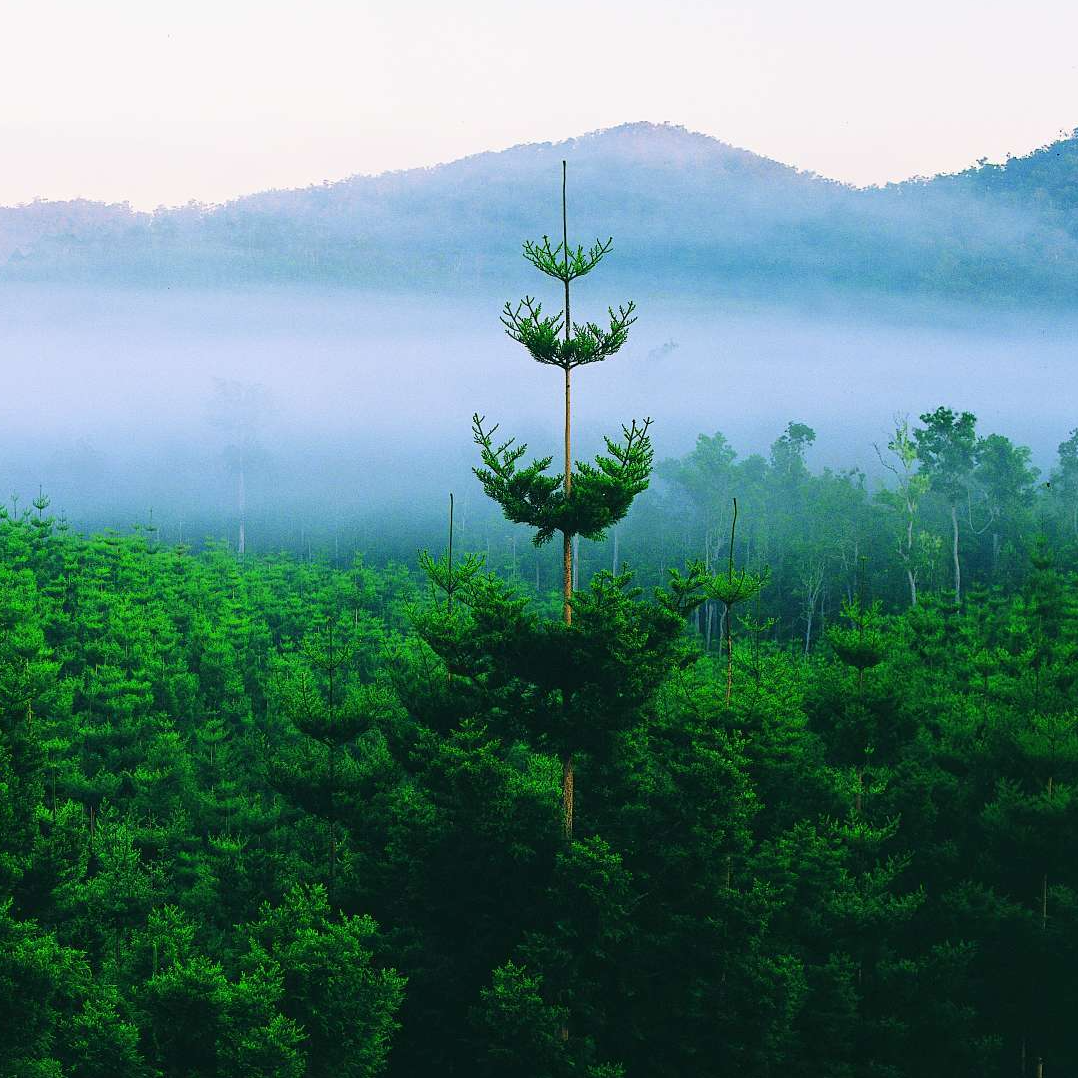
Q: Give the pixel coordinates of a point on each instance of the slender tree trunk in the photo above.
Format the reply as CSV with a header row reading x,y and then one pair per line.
x,y
332,874
449,559
567,776
567,539
957,563
911,576
243,513
727,617
568,789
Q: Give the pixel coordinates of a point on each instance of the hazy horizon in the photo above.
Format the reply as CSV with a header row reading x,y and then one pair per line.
x,y
112,112
422,165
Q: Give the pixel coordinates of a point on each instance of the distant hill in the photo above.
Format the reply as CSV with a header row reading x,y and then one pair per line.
x,y
686,210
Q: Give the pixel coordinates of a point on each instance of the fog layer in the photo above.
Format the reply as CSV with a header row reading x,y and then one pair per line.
x,y
365,402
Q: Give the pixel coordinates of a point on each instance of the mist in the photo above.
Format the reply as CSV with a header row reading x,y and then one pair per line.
x,y
366,398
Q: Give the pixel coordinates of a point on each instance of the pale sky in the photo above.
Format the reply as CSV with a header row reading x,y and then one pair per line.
x,y
155,102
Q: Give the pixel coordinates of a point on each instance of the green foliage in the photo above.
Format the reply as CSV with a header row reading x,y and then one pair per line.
x,y
946,447
600,495
858,867
546,341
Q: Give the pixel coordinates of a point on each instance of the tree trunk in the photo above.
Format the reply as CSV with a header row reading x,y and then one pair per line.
x,y
567,792
567,776
242,497
910,574
567,539
957,564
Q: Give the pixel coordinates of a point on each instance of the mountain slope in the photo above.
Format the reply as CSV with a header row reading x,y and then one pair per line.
x,y
685,209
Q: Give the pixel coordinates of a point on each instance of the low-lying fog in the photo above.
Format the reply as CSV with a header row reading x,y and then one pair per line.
x,y
112,399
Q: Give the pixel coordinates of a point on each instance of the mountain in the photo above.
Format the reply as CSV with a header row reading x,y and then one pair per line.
x,y
686,210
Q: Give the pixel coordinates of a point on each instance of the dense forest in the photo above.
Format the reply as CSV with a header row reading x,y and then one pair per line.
x,y
301,819
756,772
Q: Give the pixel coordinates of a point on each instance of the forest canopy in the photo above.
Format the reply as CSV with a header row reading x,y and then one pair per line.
x,y
306,818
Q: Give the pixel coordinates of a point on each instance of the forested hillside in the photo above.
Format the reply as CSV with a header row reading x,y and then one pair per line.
x,y
688,210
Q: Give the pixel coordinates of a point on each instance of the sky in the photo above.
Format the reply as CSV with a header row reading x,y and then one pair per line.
x,y
160,103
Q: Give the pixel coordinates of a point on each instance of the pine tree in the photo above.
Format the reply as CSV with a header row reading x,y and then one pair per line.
x,y
590,498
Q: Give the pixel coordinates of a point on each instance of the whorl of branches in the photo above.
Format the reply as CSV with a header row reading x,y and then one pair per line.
x,y
564,263
601,493
544,340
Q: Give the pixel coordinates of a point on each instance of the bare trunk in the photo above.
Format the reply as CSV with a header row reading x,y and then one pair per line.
x,y
567,792
330,887
242,497
957,564
567,539
567,580
449,558
910,574
567,777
